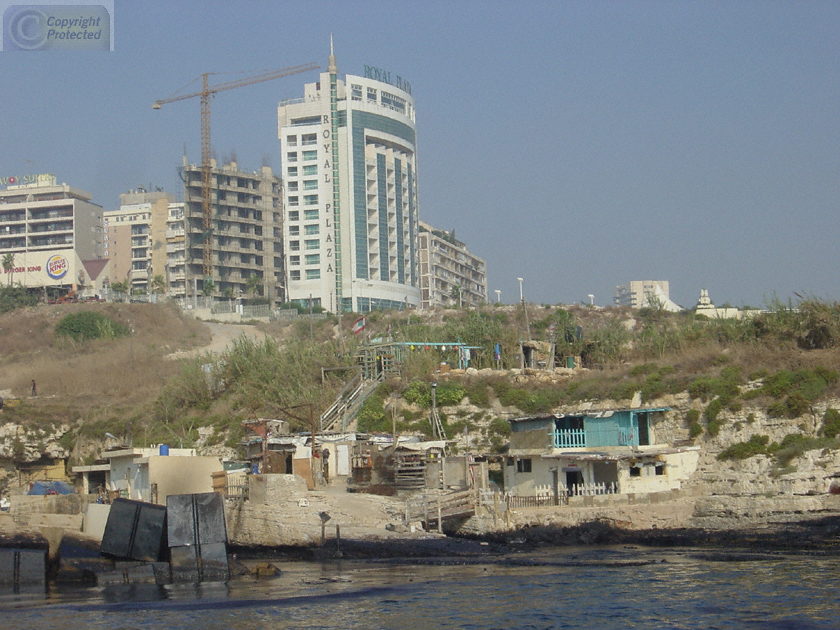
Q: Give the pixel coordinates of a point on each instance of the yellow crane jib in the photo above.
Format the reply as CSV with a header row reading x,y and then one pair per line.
x,y
205,93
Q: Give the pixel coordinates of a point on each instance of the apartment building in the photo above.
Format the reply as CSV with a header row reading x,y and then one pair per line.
x,y
245,235
449,274
46,231
135,238
350,226
645,293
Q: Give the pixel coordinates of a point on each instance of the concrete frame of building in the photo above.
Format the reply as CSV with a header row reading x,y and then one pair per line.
x,y
449,274
246,234
350,227
48,228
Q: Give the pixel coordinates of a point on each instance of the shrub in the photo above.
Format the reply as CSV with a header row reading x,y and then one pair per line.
x,y
479,394
89,325
446,395
419,393
714,426
831,423
694,429
794,445
756,445
692,416
500,427
793,406
713,409
18,296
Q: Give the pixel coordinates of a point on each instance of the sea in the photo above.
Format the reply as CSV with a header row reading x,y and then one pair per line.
x,y
605,588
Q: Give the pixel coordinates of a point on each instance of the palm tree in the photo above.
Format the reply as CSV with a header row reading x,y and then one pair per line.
x,y
254,285
158,284
120,287
9,265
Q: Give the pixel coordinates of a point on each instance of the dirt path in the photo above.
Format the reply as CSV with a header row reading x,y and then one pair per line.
x,y
223,336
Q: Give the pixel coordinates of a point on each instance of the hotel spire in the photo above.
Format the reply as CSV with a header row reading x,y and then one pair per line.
x,y
332,68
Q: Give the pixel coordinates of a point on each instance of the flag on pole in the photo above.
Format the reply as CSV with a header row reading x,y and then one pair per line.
x,y
358,325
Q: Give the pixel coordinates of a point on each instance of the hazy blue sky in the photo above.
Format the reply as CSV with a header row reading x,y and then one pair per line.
x,y
579,145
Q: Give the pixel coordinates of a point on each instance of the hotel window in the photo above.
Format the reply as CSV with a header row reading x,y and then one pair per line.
x,y
311,215
371,94
394,102
313,274
294,246
309,139
310,200
313,259
291,156
294,274
312,243
294,230
310,169
293,186
291,141
294,215
308,156
293,201
294,260
312,229
292,171
356,92
310,184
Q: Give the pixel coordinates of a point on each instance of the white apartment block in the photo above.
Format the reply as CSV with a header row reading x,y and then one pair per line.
x,y
47,229
350,228
449,274
645,293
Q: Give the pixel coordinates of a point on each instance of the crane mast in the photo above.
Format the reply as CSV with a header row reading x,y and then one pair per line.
x,y
206,176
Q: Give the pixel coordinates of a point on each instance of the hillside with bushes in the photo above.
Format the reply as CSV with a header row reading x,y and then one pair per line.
x,y
119,369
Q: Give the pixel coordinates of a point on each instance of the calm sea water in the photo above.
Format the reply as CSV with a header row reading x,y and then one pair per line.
x,y
603,588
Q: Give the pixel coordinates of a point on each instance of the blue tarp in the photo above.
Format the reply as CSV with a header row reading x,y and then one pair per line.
x,y
50,487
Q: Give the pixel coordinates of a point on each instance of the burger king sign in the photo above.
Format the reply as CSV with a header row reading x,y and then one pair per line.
x,y
57,267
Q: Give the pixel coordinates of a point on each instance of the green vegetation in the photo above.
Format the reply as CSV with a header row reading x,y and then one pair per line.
x,y
650,351
831,423
16,296
87,325
756,445
792,446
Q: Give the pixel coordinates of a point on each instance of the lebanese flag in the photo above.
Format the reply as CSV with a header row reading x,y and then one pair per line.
x,y
358,325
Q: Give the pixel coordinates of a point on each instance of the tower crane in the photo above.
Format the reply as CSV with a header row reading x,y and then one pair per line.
x,y
205,93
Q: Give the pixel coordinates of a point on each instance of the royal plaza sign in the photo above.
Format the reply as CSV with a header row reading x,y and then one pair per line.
x,y
378,74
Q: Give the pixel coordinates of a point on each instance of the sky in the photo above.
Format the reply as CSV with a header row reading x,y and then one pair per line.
x,y
577,145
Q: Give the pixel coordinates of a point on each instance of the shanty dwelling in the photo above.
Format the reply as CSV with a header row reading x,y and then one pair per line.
x,y
151,474
556,457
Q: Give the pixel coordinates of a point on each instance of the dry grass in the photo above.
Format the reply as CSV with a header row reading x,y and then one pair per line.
x,y
124,371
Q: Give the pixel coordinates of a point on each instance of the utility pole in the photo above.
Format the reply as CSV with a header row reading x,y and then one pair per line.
x,y
524,310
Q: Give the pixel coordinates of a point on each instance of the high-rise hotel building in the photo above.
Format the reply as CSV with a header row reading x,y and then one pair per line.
x,y
350,226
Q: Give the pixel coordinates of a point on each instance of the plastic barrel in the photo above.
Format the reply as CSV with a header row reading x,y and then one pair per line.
x,y
164,449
